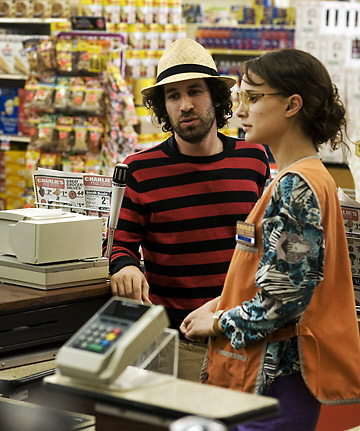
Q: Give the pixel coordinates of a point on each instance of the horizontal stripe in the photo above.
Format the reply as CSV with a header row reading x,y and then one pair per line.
x,y
220,220
189,282
199,189
182,179
188,270
191,247
189,258
172,292
204,199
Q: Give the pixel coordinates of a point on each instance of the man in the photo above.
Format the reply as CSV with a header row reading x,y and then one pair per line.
x,y
184,196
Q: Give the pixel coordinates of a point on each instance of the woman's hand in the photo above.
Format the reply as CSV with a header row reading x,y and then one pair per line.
x,y
198,325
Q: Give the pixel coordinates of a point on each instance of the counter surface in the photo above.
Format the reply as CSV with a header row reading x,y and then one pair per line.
x,y
15,297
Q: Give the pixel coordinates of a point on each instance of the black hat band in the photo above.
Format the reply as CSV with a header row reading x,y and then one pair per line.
x,y
186,68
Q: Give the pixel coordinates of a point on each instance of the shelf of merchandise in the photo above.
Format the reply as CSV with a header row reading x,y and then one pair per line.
x,y
191,29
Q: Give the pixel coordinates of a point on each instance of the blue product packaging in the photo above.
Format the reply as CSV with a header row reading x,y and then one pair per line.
x,y
9,108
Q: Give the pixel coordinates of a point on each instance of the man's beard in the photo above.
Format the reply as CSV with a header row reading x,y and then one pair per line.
x,y
195,134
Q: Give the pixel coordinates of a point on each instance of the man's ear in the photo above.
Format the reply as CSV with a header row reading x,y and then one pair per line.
x,y
295,103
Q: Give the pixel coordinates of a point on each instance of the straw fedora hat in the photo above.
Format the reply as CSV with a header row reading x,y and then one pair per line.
x,y
186,59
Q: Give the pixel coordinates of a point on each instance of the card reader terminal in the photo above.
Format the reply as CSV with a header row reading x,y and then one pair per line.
x,y
111,340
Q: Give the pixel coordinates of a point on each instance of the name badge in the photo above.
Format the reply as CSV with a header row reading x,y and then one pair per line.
x,y
245,233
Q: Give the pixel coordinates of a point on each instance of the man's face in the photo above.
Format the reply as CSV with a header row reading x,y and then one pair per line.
x,y
190,109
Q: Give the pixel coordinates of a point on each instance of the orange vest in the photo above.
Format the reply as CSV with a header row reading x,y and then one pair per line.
x,y
328,334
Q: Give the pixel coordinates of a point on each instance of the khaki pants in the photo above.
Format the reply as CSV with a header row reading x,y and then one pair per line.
x,y
191,358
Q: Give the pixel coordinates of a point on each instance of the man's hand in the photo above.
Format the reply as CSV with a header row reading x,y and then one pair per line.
x,y
130,282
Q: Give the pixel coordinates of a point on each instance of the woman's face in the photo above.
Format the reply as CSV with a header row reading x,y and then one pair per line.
x,y
262,112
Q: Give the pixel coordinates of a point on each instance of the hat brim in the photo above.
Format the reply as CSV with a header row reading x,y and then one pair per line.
x,y
230,82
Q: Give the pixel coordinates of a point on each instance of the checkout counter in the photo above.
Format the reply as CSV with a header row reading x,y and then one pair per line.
x,y
118,385
66,343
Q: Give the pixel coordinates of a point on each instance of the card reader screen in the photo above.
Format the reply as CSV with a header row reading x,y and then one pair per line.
x,y
127,311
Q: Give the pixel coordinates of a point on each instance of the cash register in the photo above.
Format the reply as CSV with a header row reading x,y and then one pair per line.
x,y
50,248
52,279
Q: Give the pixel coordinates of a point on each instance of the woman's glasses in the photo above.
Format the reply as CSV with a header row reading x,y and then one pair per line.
x,y
246,97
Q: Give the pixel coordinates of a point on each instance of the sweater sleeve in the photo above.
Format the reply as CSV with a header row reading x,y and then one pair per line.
x,y
130,229
290,268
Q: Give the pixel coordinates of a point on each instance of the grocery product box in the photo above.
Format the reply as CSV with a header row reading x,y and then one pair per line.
x,y
12,203
14,170
15,157
15,182
14,191
9,105
13,59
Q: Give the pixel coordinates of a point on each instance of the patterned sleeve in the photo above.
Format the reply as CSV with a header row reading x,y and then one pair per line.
x,y
291,266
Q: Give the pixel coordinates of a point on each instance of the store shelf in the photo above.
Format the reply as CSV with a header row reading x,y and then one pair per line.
x,y
15,138
244,52
31,20
230,24
13,77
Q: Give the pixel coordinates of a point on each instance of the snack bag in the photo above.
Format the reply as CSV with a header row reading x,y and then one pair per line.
x,y
80,132
65,132
96,132
46,55
46,135
44,95
77,89
62,93
30,50
94,97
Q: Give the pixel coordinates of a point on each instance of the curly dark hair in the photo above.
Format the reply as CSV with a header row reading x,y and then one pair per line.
x,y
220,96
292,71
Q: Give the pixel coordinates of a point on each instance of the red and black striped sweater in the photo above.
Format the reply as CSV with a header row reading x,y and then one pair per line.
x,y
182,211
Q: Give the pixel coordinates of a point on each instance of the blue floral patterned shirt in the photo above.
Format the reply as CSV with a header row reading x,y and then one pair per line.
x,y
290,269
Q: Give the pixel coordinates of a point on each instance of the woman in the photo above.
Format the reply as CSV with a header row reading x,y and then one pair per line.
x,y
285,324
